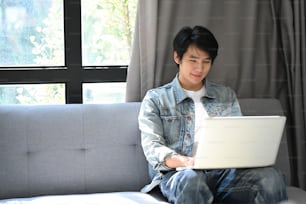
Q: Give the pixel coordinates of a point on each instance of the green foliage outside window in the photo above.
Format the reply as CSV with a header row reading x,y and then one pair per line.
x,y
107,27
33,36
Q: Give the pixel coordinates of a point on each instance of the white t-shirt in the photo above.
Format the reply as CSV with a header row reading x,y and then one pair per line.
x,y
200,113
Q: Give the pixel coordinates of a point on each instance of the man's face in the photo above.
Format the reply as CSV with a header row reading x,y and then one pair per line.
x,y
193,67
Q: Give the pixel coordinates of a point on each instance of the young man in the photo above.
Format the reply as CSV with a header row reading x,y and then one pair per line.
x,y
169,118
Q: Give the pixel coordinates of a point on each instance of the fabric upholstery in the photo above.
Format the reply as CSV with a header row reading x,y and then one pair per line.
x,y
83,149
70,149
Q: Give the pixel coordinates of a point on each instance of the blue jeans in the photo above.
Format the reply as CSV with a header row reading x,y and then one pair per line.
x,y
258,185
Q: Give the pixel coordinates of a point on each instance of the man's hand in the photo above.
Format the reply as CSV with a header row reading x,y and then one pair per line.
x,y
177,160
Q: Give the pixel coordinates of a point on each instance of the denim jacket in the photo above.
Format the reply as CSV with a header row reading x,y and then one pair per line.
x,y
167,119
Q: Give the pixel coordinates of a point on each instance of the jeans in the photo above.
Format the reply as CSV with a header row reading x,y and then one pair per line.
x,y
258,185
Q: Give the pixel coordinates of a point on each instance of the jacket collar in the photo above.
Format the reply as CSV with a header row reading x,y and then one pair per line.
x,y
209,90
180,94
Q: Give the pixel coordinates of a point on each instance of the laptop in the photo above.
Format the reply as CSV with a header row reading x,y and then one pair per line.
x,y
239,142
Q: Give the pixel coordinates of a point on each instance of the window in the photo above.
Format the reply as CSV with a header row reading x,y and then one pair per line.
x,y
32,34
107,27
104,92
32,94
68,47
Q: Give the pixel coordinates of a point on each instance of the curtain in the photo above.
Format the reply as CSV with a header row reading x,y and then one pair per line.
x,y
262,54
141,72
291,26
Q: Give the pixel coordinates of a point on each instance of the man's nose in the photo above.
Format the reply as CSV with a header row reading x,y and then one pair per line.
x,y
200,66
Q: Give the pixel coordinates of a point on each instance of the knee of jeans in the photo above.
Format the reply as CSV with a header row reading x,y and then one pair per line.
x,y
271,181
192,177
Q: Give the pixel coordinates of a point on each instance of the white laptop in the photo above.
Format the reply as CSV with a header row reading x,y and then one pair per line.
x,y
239,142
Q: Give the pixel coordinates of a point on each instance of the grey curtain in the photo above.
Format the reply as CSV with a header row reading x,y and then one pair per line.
x,y
291,28
141,72
262,54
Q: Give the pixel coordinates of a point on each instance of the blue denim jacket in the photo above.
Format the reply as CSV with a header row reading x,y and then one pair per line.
x,y
167,119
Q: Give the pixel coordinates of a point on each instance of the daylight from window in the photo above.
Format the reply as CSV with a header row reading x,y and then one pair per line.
x,y
107,35
104,92
31,33
32,94
107,31
32,36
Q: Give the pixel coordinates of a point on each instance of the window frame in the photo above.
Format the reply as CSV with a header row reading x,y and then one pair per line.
x,y
73,74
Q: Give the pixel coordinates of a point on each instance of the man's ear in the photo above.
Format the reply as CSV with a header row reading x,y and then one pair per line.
x,y
176,57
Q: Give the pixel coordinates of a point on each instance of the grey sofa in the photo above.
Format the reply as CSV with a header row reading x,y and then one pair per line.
x,y
87,153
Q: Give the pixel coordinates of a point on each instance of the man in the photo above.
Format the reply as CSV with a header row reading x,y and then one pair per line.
x,y
169,118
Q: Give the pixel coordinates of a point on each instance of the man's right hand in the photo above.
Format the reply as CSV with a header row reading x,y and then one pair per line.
x,y
175,161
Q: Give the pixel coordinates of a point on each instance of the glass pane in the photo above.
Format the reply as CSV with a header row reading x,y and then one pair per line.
x,y
104,92
107,31
32,94
31,33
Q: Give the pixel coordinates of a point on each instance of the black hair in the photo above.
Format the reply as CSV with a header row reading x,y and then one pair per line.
x,y
199,36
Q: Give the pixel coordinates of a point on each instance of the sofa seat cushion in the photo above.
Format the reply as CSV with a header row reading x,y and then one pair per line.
x,y
97,198
296,195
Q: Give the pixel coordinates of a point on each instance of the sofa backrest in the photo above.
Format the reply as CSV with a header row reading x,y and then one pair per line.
x,y
61,149
78,148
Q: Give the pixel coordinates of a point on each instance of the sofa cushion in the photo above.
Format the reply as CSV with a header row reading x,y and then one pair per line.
x,y
117,198
79,149
296,195
70,149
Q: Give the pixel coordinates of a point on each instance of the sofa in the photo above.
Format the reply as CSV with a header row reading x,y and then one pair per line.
x,y
89,153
